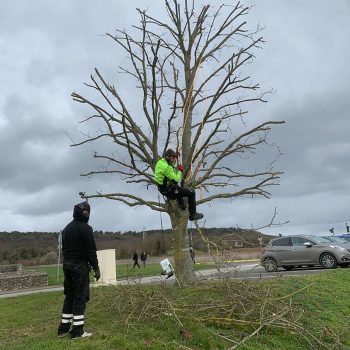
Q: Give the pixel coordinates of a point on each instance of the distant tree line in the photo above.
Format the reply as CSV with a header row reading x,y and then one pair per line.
x,y
42,247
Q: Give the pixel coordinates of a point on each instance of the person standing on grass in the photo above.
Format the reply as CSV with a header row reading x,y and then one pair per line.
x,y
143,258
135,258
79,256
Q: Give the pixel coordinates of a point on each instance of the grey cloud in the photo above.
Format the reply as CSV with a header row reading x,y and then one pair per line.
x,y
32,140
50,49
315,144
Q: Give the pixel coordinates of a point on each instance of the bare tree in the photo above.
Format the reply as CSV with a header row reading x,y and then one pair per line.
x,y
190,71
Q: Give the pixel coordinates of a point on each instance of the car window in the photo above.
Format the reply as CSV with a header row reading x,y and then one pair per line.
x,y
282,242
319,239
299,241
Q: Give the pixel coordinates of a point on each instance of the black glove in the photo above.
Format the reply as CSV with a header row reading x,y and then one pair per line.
x,y
97,274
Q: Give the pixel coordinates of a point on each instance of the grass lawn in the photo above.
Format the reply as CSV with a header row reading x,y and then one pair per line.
x,y
123,271
162,317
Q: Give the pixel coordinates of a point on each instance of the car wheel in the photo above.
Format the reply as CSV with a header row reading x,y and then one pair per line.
x,y
287,268
270,265
328,261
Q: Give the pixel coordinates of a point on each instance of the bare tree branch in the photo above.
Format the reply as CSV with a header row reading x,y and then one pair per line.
x,y
175,107
129,200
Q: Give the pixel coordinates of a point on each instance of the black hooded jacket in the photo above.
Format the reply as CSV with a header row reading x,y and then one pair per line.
x,y
78,243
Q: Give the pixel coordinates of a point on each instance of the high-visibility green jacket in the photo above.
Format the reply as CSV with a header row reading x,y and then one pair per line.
x,y
164,170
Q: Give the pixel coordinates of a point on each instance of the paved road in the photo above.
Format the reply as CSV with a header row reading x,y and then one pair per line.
x,y
250,271
244,270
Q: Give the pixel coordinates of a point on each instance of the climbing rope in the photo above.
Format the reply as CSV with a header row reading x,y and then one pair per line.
x,y
161,222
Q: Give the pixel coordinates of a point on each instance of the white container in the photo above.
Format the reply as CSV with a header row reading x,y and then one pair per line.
x,y
167,268
106,262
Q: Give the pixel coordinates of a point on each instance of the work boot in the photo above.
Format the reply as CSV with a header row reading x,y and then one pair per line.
x,y
77,331
196,216
84,335
63,329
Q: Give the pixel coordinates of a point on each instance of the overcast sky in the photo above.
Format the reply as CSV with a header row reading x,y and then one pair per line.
x,y
49,48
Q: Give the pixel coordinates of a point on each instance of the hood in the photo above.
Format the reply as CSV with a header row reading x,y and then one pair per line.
x,y
78,212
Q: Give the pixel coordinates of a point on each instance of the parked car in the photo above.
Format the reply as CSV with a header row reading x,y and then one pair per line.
x,y
303,250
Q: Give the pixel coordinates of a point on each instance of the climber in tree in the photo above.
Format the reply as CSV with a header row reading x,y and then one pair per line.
x,y
168,176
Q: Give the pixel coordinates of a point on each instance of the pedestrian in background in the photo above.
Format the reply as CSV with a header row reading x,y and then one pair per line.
x,y
144,258
135,258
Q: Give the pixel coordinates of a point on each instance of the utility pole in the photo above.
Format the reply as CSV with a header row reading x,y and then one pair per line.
x,y
143,238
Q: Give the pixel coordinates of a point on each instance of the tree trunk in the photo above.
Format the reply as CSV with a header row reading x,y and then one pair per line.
x,y
184,269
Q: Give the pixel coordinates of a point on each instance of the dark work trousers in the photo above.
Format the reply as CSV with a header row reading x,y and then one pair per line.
x,y
77,294
178,193
136,263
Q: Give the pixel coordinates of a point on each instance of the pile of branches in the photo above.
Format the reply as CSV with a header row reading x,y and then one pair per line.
x,y
232,311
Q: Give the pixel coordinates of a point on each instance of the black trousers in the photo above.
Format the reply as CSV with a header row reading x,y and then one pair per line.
x,y
77,293
179,193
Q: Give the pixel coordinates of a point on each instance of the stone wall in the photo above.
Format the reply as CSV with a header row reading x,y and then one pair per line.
x,y
12,277
11,268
